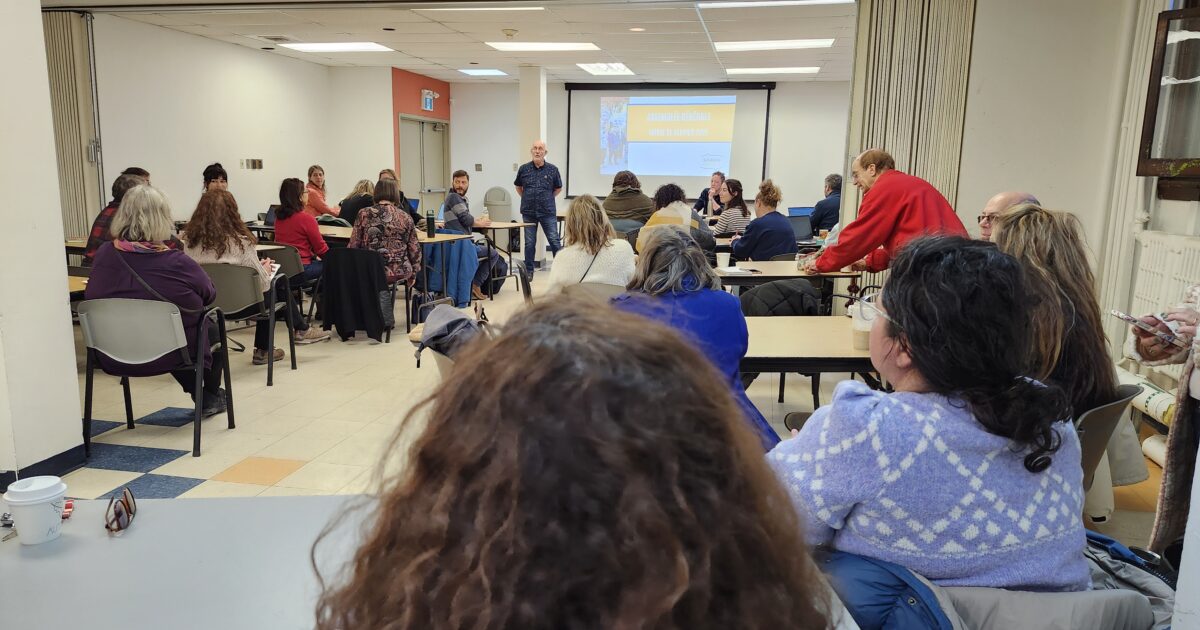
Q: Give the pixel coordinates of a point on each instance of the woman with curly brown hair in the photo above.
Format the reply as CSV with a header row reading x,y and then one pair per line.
x,y
634,497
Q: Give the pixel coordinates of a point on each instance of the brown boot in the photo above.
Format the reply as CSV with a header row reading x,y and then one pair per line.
x,y
260,356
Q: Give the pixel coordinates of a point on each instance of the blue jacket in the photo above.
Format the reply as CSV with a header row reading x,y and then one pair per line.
x,y
826,212
461,264
767,236
880,594
714,321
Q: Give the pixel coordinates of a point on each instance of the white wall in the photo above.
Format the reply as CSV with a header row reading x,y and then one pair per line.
x,y
807,138
359,128
39,392
173,103
1043,105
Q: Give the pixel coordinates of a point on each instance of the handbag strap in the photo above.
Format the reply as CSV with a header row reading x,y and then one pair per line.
x,y
589,267
150,289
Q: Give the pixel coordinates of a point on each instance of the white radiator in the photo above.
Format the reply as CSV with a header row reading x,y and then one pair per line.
x,y
1167,264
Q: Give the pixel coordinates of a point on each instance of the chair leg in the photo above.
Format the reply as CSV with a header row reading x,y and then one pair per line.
x,y
291,328
312,304
782,378
228,376
199,415
128,402
87,406
816,390
270,345
407,308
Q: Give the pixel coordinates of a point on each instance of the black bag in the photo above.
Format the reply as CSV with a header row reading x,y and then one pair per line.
x,y
499,274
514,240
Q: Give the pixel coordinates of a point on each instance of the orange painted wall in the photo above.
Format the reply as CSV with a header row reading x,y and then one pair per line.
x,y
406,99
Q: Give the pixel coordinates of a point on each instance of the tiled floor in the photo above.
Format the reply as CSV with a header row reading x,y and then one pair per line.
x,y
327,427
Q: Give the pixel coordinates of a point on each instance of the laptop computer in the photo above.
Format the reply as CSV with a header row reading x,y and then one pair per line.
x,y
802,226
802,211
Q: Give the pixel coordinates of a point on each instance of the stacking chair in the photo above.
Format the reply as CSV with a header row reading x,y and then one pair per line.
x,y
291,266
239,298
136,332
1095,426
523,280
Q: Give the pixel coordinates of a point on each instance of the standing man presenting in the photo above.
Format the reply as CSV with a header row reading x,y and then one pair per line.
x,y
538,183
896,208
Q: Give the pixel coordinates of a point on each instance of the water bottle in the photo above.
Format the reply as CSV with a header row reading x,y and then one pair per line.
x,y
486,216
430,223
799,260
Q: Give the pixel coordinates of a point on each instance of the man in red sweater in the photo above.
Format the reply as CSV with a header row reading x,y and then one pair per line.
x,y
896,208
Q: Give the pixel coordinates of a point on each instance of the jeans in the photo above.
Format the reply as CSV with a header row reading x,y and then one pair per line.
x,y
312,271
485,267
549,223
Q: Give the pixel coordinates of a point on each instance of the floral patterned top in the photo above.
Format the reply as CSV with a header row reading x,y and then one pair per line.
x,y
390,231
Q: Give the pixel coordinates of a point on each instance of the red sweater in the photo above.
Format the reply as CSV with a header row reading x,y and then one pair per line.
x,y
897,209
300,231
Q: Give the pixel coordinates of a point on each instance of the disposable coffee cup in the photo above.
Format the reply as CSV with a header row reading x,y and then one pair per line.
x,y
723,259
36,504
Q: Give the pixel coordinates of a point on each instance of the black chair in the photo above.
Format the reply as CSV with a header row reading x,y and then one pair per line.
x,y
523,280
239,298
795,298
137,332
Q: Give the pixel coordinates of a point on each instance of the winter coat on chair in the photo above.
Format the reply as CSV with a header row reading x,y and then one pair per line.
x,y
781,298
461,263
353,280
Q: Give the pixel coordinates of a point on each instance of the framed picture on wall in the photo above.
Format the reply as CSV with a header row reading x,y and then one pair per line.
x,y
1170,144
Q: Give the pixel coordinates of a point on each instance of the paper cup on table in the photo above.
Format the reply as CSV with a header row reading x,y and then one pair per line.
x,y
723,259
861,329
36,504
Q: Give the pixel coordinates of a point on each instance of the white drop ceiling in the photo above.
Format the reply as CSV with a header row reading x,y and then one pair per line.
x,y
677,45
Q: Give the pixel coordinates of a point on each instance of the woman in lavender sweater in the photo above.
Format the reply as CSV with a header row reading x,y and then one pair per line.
x,y
969,474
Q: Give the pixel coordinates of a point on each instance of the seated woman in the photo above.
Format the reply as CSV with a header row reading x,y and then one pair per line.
x,y
768,235
139,253
1069,347
359,198
670,208
735,218
217,234
627,207
215,177
674,284
709,201
969,474
591,252
386,229
631,498
299,229
314,204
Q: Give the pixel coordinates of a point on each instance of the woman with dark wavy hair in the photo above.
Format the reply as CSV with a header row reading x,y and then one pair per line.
x,y
631,498
968,474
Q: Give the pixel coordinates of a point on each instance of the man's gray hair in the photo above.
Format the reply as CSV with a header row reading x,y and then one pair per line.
x,y
834,182
669,257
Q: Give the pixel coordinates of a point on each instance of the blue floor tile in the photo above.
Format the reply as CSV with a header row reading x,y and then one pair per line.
x,y
130,458
156,487
100,426
169,417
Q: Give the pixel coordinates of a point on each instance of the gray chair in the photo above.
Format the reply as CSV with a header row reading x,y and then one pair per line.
x,y
593,291
1095,426
523,280
239,298
443,363
136,332
291,266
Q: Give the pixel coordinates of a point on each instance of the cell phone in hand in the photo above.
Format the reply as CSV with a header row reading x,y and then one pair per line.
x,y
1166,338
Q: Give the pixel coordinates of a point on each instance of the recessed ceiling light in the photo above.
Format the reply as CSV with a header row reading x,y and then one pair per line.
x,y
483,72
485,9
329,47
766,3
542,46
668,61
605,69
795,70
638,29
777,44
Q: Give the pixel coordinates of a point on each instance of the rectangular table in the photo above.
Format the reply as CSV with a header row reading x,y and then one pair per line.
x,y
778,270
806,345
184,563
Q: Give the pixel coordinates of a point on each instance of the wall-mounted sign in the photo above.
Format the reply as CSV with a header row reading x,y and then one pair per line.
x,y
427,97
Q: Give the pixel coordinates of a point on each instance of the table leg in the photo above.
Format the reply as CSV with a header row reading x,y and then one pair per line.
x,y
490,282
445,279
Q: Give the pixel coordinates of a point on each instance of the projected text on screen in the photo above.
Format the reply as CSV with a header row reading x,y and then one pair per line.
x,y
666,135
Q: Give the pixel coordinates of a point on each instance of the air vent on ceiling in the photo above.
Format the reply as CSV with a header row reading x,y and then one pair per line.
x,y
277,39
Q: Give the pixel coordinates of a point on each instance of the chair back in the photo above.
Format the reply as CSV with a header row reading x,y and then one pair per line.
x,y
132,331
593,291
523,280
784,257
631,237
288,258
1095,426
326,219
237,286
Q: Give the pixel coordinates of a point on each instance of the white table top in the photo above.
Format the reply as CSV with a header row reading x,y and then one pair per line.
x,y
184,563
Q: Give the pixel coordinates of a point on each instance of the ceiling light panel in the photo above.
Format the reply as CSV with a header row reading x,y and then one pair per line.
x,y
334,47
792,70
605,69
772,44
483,72
541,46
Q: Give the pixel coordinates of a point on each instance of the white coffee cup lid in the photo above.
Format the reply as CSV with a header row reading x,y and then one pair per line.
x,y
34,490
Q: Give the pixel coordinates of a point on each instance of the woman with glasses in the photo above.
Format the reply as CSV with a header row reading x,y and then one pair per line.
x,y
632,498
674,284
969,474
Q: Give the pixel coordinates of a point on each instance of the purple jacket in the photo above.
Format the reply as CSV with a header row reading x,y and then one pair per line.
x,y
173,274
